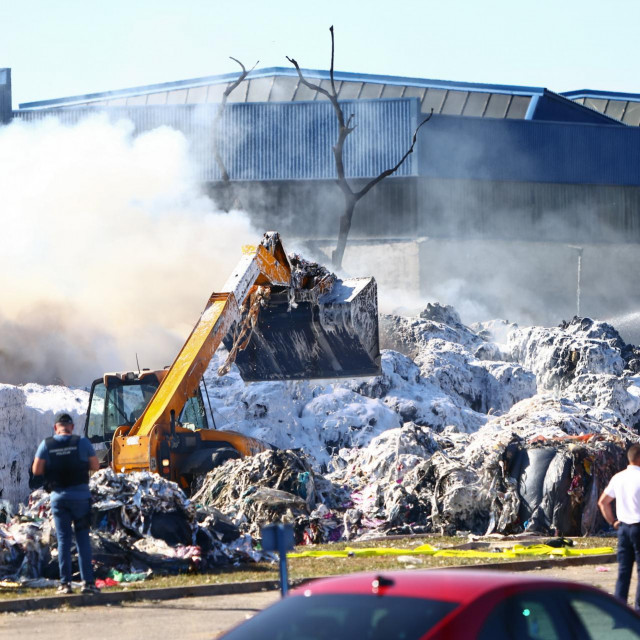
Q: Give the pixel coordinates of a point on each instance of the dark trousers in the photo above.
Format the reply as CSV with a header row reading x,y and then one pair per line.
x,y
628,552
65,513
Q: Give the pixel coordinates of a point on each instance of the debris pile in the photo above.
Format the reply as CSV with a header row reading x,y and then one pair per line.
x,y
486,429
308,275
449,436
273,486
141,524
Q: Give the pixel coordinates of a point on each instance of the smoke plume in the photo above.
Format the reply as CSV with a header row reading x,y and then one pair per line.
x,y
108,249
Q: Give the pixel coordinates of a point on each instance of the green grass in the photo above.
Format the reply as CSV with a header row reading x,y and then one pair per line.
x,y
302,568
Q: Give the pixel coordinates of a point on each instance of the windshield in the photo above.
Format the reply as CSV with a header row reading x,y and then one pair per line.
x,y
119,403
123,402
344,617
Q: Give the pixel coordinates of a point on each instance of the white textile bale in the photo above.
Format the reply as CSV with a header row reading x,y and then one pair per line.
x,y
27,414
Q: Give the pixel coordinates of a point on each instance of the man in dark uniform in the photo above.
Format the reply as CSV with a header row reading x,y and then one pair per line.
x,y
65,461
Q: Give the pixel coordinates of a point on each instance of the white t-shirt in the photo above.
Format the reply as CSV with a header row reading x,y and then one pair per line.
x,y
625,488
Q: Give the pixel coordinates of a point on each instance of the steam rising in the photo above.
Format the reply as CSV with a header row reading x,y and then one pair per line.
x,y
108,248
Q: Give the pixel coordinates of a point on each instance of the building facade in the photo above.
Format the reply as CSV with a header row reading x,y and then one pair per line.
x,y
501,175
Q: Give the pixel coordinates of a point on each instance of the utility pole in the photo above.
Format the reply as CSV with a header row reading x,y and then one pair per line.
x,y
579,251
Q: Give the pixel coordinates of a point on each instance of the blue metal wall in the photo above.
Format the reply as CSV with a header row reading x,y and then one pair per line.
x,y
469,176
278,141
293,141
286,141
526,151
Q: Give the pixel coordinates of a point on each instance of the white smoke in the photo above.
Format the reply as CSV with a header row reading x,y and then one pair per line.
x,y
108,248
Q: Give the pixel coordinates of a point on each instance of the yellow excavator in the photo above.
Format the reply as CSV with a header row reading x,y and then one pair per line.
x,y
280,318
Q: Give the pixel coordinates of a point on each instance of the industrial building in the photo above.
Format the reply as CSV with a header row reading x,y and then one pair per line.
x,y
510,177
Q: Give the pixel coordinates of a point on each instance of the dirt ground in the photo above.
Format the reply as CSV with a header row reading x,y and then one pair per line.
x,y
198,618
603,576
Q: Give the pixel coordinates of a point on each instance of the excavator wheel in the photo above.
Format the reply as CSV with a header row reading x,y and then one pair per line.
x,y
220,456
202,461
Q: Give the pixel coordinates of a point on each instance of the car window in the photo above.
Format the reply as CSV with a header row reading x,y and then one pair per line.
x,y
344,617
603,618
538,621
524,617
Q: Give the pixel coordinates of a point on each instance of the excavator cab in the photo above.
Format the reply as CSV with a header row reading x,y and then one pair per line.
x,y
120,399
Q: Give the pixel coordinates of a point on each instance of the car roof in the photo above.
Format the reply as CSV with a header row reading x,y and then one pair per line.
x,y
456,585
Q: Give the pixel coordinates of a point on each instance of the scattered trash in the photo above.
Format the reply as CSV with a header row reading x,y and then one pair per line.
x,y
485,430
142,525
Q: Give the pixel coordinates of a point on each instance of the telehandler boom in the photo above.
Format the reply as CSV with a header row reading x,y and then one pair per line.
x,y
280,318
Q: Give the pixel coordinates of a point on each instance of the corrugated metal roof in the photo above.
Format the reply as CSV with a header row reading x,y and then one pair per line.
x,y
557,108
281,84
607,95
624,107
312,74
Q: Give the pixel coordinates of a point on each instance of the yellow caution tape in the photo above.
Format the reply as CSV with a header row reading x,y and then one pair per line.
x,y
348,552
516,551
567,551
474,553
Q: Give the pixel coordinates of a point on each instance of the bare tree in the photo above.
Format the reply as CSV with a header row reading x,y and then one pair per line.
x,y
228,195
346,126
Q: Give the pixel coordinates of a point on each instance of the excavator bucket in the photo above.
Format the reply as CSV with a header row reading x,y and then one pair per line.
x,y
330,335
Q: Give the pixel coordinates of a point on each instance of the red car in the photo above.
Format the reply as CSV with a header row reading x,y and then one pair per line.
x,y
442,605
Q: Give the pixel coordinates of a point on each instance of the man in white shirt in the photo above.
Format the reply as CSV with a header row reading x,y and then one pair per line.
x,y
624,488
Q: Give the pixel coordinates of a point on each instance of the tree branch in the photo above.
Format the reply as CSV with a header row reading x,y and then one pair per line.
x,y
333,84
216,123
345,128
241,77
305,82
363,192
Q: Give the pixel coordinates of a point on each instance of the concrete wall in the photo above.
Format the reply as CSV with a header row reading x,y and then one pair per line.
x,y
532,282
395,266
406,208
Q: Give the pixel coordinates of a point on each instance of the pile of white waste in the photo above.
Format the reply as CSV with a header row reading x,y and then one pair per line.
x,y
27,414
489,428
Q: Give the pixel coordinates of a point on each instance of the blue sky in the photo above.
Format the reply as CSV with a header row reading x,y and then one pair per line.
x,y
69,47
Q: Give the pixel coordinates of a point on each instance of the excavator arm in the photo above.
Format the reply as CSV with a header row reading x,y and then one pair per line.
x,y
266,264
292,320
